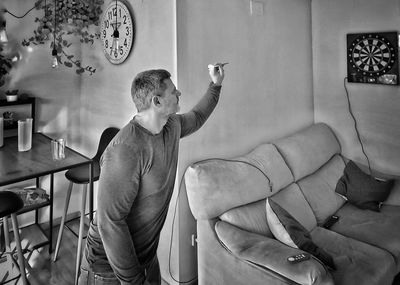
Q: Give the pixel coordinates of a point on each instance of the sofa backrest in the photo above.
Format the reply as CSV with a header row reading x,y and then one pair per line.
x,y
229,188
217,185
307,150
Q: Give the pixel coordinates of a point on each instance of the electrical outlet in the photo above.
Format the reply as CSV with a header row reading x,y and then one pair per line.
x,y
194,240
256,8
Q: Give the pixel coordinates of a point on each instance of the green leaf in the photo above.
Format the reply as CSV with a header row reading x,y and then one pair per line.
x,y
68,64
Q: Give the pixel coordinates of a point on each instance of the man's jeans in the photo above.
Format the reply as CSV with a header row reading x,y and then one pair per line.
x,y
88,277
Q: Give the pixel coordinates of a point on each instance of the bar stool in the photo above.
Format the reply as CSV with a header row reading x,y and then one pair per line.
x,y
10,204
80,175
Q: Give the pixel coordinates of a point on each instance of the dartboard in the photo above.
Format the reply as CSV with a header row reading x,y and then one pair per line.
x,y
372,55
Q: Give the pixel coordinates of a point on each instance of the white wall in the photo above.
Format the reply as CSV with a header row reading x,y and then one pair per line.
x,y
267,92
376,107
80,107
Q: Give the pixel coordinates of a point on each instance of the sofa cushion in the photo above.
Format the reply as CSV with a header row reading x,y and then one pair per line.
x,y
270,254
250,217
267,158
394,196
391,211
319,189
217,185
361,189
356,262
293,201
307,150
290,232
375,228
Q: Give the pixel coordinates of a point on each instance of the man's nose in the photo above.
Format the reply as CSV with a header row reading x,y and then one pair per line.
x,y
178,93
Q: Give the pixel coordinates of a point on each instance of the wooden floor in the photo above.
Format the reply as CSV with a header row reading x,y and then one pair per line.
x,y
43,271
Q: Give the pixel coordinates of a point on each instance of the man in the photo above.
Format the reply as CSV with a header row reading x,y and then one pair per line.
x,y
138,171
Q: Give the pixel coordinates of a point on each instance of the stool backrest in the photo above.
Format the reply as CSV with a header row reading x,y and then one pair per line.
x,y
107,135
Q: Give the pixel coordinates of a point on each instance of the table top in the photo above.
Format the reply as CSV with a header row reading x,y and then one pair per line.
x,y
18,166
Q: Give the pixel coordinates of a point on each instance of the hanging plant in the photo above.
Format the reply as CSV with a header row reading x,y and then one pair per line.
x,y
72,17
5,66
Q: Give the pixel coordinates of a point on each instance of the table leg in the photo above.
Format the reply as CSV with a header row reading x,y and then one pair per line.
x,y
91,191
37,210
51,213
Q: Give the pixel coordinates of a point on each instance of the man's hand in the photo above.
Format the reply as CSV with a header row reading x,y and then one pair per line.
x,y
217,72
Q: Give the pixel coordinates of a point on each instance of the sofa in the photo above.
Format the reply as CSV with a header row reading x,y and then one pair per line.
x,y
235,244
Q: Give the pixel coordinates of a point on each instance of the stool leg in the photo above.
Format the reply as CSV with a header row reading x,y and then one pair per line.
x,y
21,260
80,238
64,215
6,233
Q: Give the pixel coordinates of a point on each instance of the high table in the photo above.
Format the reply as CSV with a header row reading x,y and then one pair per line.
x,y
18,166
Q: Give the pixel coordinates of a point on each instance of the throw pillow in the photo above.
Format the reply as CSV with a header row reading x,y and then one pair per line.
x,y
289,231
361,189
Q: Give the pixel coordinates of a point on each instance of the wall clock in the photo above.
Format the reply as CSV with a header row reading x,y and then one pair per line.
x,y
117,23
373,58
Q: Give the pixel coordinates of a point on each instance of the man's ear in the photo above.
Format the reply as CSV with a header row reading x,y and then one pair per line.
x,y
156,101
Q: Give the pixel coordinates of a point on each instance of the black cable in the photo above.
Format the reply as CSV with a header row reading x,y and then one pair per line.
x,y
176,206
55,24
27,12
355,126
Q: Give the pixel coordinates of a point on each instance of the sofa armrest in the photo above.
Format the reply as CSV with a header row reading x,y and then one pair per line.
x,y
269,253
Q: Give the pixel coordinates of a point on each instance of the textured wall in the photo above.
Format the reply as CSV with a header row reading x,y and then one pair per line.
x,y
376,107
267,92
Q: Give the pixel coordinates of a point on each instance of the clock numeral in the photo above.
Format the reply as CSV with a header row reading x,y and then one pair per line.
x,y
120,13
124,17
121,51
106,24
110,15
125,42
106,44
104,33
127,31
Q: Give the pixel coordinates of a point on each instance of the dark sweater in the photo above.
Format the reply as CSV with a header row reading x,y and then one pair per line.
x,y
137,179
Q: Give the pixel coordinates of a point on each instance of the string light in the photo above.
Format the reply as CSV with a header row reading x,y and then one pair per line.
x,y
115,44
54,60
3,33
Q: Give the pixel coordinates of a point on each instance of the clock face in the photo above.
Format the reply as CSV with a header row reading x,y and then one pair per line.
x,y
117,17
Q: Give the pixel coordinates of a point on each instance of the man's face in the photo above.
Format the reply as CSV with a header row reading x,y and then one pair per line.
x,y
170,100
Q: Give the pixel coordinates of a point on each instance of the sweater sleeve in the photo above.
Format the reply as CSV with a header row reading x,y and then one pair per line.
x,y
195,118
118,188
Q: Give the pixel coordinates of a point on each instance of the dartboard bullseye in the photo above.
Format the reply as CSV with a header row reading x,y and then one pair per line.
x,y
373,58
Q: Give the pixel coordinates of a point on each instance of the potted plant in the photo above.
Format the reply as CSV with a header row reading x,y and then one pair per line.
x,y
12,95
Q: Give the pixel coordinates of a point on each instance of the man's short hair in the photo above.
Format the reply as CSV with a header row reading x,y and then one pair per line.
x,y
147,84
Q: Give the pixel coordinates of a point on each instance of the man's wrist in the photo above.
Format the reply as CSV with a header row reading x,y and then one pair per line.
x,y
216,84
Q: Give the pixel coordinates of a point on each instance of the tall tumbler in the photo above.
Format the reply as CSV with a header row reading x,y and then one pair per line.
x,y
1,131
25,134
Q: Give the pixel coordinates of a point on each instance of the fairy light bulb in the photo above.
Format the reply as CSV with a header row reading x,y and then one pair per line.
x,y
3,33
54,61
115,44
